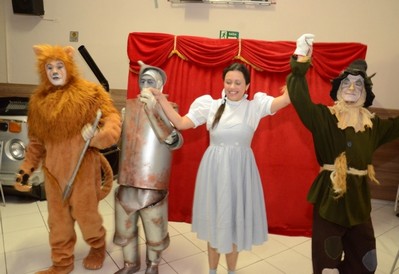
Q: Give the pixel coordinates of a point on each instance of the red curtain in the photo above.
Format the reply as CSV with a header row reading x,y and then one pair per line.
x,y
282,146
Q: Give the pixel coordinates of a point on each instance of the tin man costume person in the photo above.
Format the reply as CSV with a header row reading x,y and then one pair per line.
x,y
148,139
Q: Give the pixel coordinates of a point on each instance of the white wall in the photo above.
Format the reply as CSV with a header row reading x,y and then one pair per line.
x,y
3,52
104,26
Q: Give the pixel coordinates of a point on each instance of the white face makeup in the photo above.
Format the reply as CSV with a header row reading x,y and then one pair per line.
x,y
352,88
56,72
234,85
147,81
151,79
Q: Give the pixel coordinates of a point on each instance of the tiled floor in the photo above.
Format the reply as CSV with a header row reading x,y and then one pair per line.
x,y
24,246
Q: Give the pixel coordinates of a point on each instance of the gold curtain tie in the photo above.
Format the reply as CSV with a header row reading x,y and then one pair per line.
x,y
175,51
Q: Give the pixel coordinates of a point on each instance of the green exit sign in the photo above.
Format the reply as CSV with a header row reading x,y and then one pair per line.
x,y
227,34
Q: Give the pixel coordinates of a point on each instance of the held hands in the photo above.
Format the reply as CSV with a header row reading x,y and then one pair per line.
x,y
88,132
147,98
304,45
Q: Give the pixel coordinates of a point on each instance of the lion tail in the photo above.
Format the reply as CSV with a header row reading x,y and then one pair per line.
x,y
108,177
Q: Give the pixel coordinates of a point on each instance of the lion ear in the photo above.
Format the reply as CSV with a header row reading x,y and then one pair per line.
x,y
69,50
37,49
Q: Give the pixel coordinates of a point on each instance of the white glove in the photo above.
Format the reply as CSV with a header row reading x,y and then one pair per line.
x,y
304,45
88,132
147,98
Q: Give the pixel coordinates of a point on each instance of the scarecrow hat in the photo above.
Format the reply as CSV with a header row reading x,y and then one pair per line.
x,y
357,67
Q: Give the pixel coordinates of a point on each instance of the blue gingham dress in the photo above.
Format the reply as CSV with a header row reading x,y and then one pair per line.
x,y
229,206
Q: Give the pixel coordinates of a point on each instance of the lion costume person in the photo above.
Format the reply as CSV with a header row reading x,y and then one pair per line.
x,y
60,114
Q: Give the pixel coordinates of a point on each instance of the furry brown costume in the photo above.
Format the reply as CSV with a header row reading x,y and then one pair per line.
x,y
56,117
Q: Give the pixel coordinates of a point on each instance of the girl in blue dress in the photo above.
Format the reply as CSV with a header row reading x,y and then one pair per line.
x,y
229,209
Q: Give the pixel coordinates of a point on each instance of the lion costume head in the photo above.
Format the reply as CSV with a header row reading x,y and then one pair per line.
x,y
48,53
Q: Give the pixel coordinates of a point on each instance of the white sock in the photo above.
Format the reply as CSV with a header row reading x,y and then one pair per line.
x,y
212,271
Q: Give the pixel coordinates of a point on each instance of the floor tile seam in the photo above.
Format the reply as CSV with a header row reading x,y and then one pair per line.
x,y
387,253
27,248
182,258
383,213
278,268
382,247
380,233
297,252
24,248
2,234
252,263
4,255
389,230
27,229
171,223
187,238
112,259
274,254
171,266
274,266
294,245
21,215
21,230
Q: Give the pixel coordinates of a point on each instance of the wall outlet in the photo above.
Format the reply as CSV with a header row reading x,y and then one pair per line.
x,y
73,36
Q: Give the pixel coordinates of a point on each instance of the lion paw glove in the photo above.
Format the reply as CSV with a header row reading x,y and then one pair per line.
x,y
88,132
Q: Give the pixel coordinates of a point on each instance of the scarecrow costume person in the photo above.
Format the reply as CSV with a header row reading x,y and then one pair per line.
x,y
345,137
60,115
148,139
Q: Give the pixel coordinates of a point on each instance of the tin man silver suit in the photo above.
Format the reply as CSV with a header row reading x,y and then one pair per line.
x,y
148,139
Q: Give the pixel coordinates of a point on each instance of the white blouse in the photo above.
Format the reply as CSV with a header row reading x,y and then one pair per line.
x,y
204,108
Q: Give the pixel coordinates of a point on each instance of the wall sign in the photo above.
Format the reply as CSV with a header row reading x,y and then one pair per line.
x,y
228,34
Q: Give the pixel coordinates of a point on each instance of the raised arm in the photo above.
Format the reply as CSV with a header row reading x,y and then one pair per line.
x,y
297,83
180,122
280,101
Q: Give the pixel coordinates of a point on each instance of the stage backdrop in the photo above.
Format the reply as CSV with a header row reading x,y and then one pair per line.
x,y
283,147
